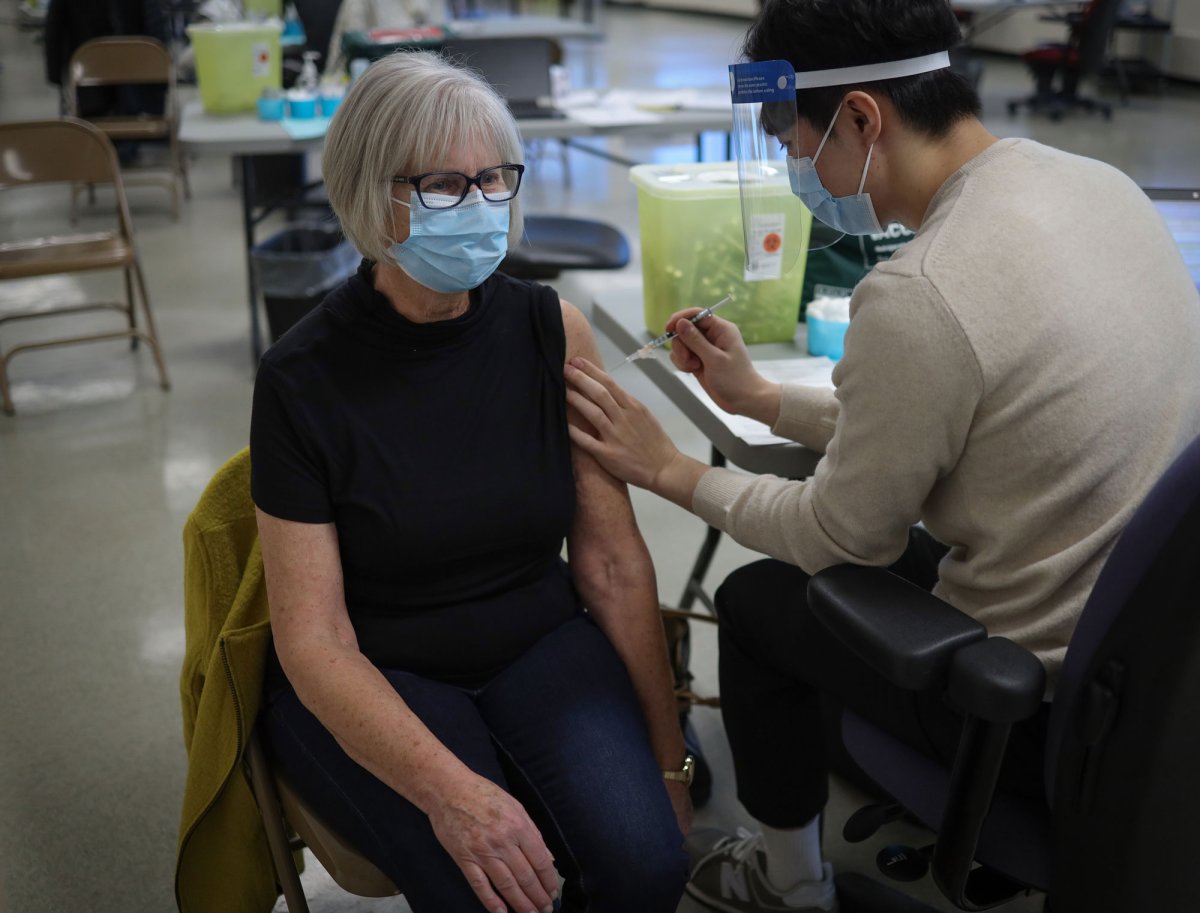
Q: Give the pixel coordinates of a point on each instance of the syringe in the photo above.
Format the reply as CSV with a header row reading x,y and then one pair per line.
x,y
648,349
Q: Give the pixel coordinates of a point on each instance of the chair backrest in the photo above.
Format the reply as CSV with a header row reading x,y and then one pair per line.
x,y
1123,746
1093,33
55,151
124,60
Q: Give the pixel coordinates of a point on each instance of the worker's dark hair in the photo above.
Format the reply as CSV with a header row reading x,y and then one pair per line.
x,y
823,34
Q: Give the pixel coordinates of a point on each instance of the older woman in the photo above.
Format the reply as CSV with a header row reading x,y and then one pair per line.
x,y
465,708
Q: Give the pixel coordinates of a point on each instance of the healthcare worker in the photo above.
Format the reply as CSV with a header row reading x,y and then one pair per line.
x,y
1014,380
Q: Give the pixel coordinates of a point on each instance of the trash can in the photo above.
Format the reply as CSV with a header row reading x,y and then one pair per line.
x,y
297,267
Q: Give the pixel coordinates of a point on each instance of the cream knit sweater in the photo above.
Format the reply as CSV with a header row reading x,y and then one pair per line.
x,y
1016,378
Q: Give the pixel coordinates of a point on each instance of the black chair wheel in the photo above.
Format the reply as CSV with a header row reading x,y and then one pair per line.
x,y
902,863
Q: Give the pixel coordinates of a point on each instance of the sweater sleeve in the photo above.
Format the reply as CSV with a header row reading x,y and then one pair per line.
x,y
907,388
807,415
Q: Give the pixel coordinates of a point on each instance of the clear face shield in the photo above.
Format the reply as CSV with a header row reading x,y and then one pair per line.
x,y
776,225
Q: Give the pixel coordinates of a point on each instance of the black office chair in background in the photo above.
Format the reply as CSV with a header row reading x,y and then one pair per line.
x,y
552,244
1120,828
1081,57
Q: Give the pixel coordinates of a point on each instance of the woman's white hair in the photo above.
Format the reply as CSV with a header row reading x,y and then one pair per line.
x,y
403,116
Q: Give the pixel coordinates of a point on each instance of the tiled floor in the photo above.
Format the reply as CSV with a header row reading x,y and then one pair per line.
x,y
100,468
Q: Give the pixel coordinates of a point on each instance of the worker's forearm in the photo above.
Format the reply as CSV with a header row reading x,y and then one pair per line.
x,y
677,480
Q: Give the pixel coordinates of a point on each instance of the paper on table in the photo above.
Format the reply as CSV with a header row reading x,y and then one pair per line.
x,y
812,372
306,128
612,117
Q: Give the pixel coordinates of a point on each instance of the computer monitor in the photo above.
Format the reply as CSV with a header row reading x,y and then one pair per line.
x,y
517,68
1180,209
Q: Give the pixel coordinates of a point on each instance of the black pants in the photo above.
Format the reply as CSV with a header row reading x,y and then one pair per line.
x,y
782,673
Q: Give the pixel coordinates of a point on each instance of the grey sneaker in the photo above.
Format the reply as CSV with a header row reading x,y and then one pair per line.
x,y
728,875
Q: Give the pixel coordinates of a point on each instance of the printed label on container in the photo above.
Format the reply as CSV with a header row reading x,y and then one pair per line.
x,y
765,256
261,63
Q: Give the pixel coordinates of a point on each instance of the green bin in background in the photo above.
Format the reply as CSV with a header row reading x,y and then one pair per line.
x,y
693,252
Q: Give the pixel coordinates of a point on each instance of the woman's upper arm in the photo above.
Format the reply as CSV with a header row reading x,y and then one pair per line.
x,y
304,583
604,520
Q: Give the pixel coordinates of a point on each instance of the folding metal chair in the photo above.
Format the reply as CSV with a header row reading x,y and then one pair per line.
x,y
70,151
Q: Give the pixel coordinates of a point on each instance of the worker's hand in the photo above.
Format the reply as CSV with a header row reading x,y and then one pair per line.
x,y
627,441
499,849
713,351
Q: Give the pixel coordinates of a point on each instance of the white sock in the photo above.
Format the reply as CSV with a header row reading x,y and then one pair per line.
x,y
793,855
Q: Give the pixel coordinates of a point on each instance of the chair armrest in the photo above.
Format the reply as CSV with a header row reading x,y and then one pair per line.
x,y
904,633
997,680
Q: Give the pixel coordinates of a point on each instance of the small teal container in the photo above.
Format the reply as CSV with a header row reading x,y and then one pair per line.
x,y
270,108
825,337
302,108
330,102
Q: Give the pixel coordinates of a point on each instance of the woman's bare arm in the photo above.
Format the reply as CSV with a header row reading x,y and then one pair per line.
x,y
611,567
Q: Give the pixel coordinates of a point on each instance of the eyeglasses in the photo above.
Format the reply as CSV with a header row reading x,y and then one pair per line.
x,y
446,189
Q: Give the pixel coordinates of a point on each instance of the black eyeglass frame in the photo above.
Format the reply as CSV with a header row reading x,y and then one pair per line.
x,y
414,181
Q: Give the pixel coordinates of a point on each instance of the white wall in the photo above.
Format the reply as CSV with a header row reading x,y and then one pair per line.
x,y
1185,40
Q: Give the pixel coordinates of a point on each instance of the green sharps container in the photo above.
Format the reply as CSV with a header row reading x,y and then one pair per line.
x,y
694,252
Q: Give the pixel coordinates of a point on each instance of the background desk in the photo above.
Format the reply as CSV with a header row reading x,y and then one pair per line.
x,y
618,315
244,136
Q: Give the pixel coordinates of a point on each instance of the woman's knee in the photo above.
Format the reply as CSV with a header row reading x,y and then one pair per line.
x,y
648,879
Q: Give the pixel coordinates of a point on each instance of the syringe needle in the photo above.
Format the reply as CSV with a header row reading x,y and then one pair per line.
x,y
662,340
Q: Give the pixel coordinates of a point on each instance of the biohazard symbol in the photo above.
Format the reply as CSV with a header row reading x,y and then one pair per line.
x,y
772,242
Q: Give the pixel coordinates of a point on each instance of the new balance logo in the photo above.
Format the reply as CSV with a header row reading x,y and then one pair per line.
x,y
733,882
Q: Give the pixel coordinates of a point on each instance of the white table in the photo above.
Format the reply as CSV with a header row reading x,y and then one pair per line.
x,y
619,316
244,136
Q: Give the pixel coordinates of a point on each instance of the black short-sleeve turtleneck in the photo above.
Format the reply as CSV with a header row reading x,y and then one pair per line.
x,y
440,453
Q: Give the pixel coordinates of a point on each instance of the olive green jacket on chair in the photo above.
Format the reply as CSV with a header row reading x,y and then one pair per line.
x,y
223,863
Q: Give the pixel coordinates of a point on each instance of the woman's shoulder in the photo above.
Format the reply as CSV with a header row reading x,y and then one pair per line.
x,y
312,341
510,288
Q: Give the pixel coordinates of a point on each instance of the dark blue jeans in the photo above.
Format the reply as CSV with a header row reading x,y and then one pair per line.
x,y
561,730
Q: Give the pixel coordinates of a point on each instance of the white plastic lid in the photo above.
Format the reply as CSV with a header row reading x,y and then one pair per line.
x,y
703,180
266,27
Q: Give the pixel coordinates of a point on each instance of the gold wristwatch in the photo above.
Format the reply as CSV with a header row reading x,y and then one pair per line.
x,y
683,775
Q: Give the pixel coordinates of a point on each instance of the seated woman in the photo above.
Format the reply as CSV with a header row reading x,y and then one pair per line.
x,y
465,708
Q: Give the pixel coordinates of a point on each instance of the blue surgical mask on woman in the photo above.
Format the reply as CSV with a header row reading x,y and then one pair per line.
x,y
854,215
454,249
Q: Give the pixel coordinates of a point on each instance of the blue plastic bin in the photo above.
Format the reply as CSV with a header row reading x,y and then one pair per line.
x,y
825,337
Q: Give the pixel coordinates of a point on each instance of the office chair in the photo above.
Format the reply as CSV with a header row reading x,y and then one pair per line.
x,y
134,67
1120,826
1080,57
74,152
552,244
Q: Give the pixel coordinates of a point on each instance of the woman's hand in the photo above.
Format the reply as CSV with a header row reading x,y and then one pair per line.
x,y
681,801
628,441
713,351
491,838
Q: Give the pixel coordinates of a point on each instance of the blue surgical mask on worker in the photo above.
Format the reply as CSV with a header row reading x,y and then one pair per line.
x,y
854,215
456,249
